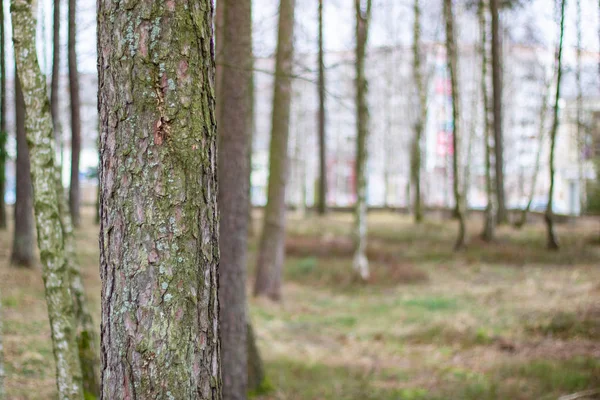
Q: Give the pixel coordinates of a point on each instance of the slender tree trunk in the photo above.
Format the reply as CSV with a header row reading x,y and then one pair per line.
x,y
536,169
55,272
23,239
74,196
235,130
271,252
159,248
421,116
489,218
552,239
497,102
452,60
363,18
54,92
3,132
322,206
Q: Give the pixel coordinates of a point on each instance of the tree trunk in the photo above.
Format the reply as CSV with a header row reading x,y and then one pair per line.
x,y
38,123
256,369
322,206
489,224
159,249
363,18
271,252
54,91
552,239
497,102
452,61
3,132
235,130
74,198
23,239
421,114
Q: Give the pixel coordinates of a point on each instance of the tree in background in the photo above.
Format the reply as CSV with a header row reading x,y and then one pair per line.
x,y
421,114
549,216
23,253
271,253
74,195
322,204
452,64
502,216
38,122
159,249
363,18
3,132
489,218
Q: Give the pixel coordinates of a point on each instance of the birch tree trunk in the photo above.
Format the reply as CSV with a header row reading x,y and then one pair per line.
x,y
322,205
38,123
360,262
235,130
3,132
452,61
23,237
159,248
271,252
74,196
552,239
502,217
421,114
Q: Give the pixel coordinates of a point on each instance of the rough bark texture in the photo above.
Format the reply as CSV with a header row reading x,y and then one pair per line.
x,y
552,239
271,251
235,130
85,328
23,237
421,114
159,248
54,85
3,132
363,18
502,216
38,123
75,115
322,203
452,62
489,224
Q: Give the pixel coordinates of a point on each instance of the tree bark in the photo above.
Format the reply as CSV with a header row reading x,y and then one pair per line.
x,y
421,114
363,18
322,205
489,224
452,62
74,196
552,238
38,123
271,252
502,216
3,132
235,130
159,249
23,240
54,94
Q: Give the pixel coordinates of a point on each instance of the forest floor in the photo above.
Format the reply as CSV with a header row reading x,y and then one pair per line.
x,y
507,320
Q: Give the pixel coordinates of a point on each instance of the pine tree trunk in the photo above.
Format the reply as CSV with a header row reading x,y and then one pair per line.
x,y
159,249
23,240
421,114
271,254
452,61
235,130
360,262
552,239
38,123
3,132
489,224
502,216
54,91
322,205
74,196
